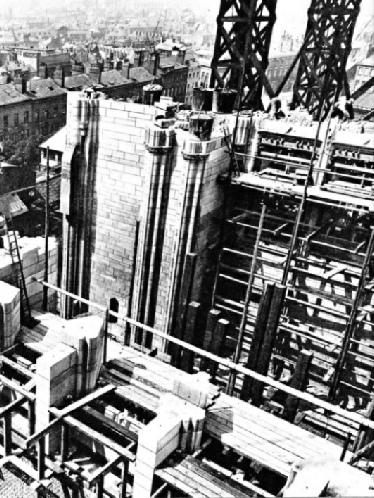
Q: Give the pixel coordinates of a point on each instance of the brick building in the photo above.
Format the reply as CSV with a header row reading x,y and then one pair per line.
x,y
198,77
364,72
37,107
173,78
47,59
127,83
277,69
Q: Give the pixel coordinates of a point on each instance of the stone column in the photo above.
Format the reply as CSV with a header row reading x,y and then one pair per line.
x,y
9,315
159,162
55,379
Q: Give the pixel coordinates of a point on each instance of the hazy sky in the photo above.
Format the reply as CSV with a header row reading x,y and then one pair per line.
x,y
291,14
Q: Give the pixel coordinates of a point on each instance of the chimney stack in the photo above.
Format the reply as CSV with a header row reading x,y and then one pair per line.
x,y
43,71
59,76
95,74
126,70
156,63
21,84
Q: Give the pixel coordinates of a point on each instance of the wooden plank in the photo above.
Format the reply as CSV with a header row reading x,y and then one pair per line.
x,y
187,361
334,271
16,387
7,434
258,339
68,410
219,338
248,294
31,417
96,436
132,436
100,487
299,381
184,298
64,452
41,459
124,478
227,488
9,408
249,418
365,435
213,317
16,366
103,471
178,481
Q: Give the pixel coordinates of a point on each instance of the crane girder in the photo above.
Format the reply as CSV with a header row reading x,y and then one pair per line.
x,y
328,39
244,29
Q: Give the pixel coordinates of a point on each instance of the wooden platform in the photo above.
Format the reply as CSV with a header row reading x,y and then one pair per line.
x,y
194,478
249,431
262,437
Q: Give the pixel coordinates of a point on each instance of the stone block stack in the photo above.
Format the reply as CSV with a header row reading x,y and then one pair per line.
x,y
10,316
86,335
156,442
32,252
178,425
55,381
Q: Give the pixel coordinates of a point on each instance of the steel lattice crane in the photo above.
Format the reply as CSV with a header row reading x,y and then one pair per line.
x,y
244,29
241,50
321,74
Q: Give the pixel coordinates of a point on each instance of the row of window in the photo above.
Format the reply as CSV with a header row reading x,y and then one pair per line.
x,y
175,90
203,75
365,71
20,135
359,83
26,117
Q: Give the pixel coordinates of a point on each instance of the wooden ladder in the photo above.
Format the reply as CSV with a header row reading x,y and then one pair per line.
x,y
18,275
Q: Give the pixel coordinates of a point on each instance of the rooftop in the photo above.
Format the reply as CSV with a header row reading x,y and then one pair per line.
x,y
45,88
10,95
369,61
56,142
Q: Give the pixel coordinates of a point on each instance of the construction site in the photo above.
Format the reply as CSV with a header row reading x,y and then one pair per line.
x,y
203,326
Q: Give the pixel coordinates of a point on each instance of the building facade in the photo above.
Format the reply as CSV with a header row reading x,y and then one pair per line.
x,y
364,72
198,77
37,107
277,69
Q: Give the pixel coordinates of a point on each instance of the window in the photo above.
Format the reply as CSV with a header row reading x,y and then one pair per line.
x,y
46,114
27,133
113,306
16,119
359,70
37,116
26,117
55,111
6,121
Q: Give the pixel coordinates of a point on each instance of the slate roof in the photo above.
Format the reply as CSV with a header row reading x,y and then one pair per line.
x,y
44,88
113,78
78,81
140,74
10,95
366,101
367,62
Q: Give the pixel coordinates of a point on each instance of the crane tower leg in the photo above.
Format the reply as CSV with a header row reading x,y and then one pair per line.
x,y
241,51
328,39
